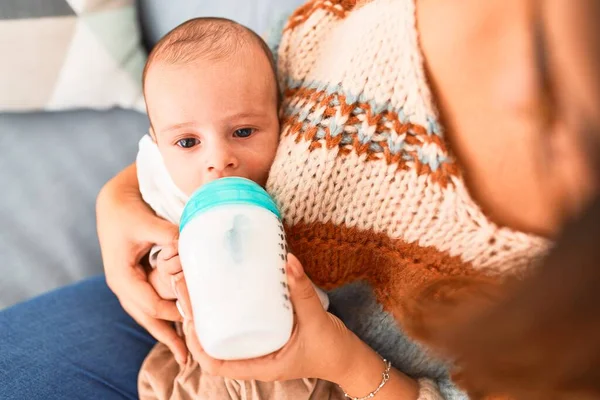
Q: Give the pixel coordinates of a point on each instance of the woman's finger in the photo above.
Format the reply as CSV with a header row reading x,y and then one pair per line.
x,y
156,230
305,300
183,296
195,348
165,333
143,295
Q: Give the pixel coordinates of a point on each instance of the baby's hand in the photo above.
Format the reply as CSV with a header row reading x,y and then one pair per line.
x,y
167,274
168,280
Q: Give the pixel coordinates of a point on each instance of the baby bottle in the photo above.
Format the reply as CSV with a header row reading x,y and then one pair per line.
x,y
233,252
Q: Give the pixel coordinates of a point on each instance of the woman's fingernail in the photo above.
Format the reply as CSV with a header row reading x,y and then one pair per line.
x,y
294,266
180,309
174,280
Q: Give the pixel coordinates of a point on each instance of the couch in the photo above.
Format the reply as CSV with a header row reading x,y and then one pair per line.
x,y
52,164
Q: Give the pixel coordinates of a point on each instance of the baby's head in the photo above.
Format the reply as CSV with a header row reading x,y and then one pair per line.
x,y
212,98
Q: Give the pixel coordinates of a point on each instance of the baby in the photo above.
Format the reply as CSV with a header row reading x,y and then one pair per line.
x,y
212,99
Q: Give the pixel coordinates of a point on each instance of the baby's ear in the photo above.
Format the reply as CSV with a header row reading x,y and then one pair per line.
x,y
152,134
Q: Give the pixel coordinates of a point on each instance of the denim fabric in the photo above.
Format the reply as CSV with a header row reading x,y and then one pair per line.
x,y
73,343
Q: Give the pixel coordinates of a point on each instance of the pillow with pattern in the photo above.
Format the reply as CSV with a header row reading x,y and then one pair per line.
x,y
65,54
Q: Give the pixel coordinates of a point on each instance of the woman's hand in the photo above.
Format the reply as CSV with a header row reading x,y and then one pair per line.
x,y
320,345
127,229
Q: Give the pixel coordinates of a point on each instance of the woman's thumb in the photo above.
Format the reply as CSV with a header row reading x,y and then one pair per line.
x,y
159,231
302,292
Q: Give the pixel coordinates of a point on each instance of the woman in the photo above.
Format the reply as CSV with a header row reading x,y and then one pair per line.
x,y
542,340
374,202
485,75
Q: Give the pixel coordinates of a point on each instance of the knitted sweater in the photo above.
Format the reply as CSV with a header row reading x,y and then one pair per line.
x,y
374,202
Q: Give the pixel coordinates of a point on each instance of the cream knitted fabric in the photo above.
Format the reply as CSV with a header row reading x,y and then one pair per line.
x,y
357,100
374,202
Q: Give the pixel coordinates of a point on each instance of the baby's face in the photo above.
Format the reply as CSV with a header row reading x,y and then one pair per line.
x,y
213,119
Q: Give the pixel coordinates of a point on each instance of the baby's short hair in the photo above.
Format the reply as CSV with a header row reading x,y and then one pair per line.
x,y
205,37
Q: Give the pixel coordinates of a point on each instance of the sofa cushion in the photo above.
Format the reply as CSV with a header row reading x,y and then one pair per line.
x,y
52,167
159,16
65,54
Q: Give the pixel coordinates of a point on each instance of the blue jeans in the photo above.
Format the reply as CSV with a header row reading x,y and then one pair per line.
x,y
74,343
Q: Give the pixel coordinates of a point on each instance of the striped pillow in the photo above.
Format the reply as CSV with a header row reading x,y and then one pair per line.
x,y
64,54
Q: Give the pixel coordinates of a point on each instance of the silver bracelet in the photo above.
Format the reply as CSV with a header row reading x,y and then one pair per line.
x,y
384,380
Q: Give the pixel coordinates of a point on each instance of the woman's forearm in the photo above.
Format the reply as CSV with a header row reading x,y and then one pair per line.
x,y
125,183
365,373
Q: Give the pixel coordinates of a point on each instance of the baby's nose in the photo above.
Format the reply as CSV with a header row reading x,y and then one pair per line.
x,y
221,161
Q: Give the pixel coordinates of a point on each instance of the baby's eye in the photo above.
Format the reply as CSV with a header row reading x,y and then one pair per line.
x,y
188,143
243,133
